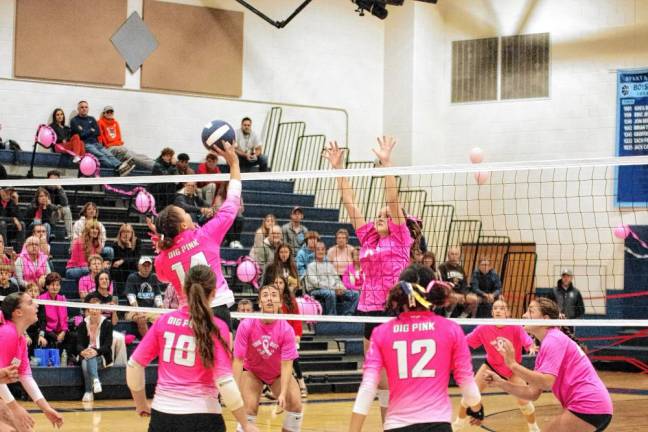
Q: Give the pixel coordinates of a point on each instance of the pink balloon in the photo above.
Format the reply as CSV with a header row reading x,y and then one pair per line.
x,y
88,165
622,231
246,271
307,305
45,136
476,155
144,202
481,177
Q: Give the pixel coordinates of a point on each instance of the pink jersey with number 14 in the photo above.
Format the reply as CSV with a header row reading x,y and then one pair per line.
x,y
198,246
418,351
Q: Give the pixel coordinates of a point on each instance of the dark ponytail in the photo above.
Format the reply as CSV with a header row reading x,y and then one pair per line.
x,y
434,292
10,304
288,298
198,285
168,225
551,309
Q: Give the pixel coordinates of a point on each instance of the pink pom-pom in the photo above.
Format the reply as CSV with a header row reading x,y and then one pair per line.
x,y
45,136
622,231
144,202
88,165
307,305
246,271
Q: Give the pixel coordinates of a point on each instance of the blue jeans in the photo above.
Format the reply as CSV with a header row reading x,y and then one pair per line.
x,y
262,161
106,159
76,272
347,302
332,304
90,368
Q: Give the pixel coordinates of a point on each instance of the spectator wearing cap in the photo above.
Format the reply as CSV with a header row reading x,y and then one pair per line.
x,y
11,228
248,148
294,233
567,296
86,127
143,289
111,138
306,254
209,190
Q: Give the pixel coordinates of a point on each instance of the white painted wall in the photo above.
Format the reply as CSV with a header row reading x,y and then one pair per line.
x,y
327,56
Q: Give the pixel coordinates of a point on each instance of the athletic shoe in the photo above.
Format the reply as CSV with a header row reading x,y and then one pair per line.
x,y
125,164
76,159
87,397
124,172
534,427
459,424
236,245
96,386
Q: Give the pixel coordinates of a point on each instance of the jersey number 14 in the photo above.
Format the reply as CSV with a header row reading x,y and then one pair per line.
x,y
403,351
196,259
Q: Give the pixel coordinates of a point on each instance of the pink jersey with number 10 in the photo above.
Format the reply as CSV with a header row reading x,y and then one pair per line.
x,y
418,351
184,384
198,246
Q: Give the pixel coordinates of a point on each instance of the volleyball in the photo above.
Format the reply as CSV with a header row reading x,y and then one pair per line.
x,y
215,132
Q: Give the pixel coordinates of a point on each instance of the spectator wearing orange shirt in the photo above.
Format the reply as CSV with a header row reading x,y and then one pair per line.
x,y
111,138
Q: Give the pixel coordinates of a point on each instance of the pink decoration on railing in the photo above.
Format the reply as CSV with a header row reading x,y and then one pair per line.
x,y
89,165
45,136
144,201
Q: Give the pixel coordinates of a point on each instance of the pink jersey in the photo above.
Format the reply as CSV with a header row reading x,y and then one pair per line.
x,y
486,336
418,351
184,384
200,246
263,347
14,346
577,386
382,259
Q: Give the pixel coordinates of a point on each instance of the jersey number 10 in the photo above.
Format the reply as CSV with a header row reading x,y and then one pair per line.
x,y
426,346
184,349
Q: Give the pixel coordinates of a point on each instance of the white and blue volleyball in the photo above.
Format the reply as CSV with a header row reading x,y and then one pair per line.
x,y
215,132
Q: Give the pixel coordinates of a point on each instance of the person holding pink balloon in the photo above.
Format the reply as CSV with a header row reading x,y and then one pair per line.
x,y
183,245
65,141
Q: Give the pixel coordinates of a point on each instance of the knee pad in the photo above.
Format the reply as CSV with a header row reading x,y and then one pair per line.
x,y
527,409
292,421
383,398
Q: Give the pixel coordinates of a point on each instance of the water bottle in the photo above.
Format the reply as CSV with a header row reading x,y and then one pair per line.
x,y
64,359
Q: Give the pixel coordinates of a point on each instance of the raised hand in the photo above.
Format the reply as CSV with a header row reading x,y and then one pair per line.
x,y
505,348
228,153
385,146
334,154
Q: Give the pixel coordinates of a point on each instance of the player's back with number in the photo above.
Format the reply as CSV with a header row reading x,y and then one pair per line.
x,y
419,350
181,375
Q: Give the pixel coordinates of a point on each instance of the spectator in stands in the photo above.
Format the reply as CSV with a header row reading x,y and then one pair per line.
x,y
90,212
294,232
88,244
568,297
59,198
64,138
340,254
283,265
11,228
35,334
353,277
264,255
182,165
170,299
243,306
486,283
143,289
248,148
209,190
452,271
233,236
94,345
306,254
264,230
32,264
55,318
164,165
40,232
42,211
87,129
7,286
187,199
429,260
87,283
322,282
7,254
111,138
127,249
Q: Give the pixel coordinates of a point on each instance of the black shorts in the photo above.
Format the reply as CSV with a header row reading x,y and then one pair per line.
x,y
223,313
599,421
368,327
163,422
424,427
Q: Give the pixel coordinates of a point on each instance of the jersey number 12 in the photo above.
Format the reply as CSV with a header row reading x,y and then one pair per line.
x,y
425,346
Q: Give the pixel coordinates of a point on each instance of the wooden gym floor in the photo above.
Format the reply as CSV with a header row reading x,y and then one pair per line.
x,y
331,412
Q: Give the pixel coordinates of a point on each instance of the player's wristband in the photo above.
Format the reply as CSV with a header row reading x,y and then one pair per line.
x,y
478,415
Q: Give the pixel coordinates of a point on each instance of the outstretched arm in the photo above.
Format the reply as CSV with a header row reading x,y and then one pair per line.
x,y
385,146
335,156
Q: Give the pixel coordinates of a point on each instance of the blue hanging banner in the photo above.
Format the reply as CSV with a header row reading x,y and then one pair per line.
x,y
632,136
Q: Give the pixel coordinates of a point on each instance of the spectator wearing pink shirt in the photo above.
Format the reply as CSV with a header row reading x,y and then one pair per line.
x,y
340,254
353,277
32,264
87,283
54,321
562,367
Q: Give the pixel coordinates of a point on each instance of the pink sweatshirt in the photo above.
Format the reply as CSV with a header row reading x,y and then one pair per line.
x,y
56,317
77,255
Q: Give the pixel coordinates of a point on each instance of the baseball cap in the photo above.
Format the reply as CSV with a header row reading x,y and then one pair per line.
x,y
145,259
297,209
567,272
108,108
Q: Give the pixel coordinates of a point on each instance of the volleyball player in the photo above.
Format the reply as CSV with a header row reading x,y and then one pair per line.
x,y
183,245
563,368
264,351
418,350
487,336
194,365
384,244
20,312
